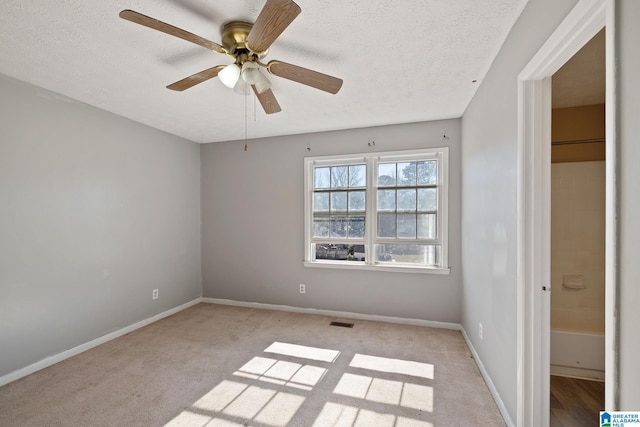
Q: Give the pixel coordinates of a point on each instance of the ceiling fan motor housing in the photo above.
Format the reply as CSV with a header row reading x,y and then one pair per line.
x,y
234,39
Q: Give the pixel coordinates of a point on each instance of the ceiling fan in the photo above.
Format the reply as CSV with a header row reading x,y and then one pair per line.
x,y
247,44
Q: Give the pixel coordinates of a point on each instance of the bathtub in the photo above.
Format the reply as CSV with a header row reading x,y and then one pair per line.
x,y
577,354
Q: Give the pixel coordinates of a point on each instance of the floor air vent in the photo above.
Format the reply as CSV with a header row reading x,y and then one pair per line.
x,y
342,324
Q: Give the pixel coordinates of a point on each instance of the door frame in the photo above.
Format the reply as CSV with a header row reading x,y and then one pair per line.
x,y
534,210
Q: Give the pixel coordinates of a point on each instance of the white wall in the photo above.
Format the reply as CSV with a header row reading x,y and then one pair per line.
x,y
253,224
577,245
95,212
489,198
627,33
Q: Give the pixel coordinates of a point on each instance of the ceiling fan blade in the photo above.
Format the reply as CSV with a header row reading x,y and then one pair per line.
x,y
195,79
147,21
305,76
268,101
274,18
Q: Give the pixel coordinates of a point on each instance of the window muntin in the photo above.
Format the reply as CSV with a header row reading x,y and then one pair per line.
x,y
378,209
407,199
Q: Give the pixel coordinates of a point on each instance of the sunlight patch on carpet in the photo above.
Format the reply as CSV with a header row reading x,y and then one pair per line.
x,y
281,372
237,400
396,366
398,393
303,351
220,396
337,415
188,419
217,422
250,402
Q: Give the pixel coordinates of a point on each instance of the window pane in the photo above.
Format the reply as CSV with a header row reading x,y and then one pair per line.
x,y
406,226
322,250
427,199
407,173
321,202
407,200
339,176
356,227
427,226
387,174
339,227
321,178
338,201
412,254
386,200
428,173
357,176
387,225
320,227
357,201
340,252
358,252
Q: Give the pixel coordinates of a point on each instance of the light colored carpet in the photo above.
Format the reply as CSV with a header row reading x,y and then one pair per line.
x,y
229,366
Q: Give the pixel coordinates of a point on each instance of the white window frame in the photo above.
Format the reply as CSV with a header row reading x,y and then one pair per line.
x,y
372,160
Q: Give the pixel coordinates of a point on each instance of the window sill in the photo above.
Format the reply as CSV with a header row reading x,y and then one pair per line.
x,y
378,267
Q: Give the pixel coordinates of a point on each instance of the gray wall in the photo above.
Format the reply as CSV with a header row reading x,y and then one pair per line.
x,y
489,197
95,212
253,227
628,131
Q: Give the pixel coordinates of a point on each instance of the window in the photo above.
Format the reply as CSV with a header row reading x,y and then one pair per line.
x,y
384,211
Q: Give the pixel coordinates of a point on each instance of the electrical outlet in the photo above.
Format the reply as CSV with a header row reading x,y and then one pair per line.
x,y
154,295
480,330
303,289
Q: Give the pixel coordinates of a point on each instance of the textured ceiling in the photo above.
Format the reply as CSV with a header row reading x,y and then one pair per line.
x,y
401,61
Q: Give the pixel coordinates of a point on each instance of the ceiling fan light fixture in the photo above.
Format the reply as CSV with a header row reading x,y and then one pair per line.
x,y
230,75
242,87
262,84
250,72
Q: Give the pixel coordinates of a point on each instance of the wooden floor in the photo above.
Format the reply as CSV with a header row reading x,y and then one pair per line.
x,y
575,402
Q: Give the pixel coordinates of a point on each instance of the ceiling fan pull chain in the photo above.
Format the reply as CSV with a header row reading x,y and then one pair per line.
x,y
246,148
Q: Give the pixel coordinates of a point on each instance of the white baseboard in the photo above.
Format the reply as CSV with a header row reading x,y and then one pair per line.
x,y
579,373
51,360
332,313
487,379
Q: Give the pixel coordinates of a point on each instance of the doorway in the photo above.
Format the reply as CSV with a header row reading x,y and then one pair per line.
x,y
577,268
534,208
